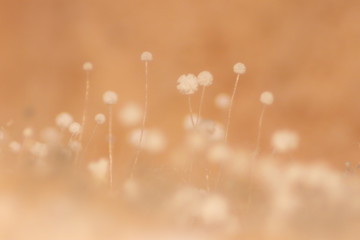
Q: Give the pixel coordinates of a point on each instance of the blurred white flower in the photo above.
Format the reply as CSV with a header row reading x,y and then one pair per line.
x,y
187,84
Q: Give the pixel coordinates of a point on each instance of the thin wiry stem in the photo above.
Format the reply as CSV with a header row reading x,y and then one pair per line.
x,y
256,151
255,154
110,147
138,150
85,105
201,103
230,107
89,141
191,111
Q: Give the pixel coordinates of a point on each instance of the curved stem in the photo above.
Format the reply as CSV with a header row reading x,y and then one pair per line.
x,y
85,105
89,141
201,103
191,112
230,107
110,147
256,151
138,150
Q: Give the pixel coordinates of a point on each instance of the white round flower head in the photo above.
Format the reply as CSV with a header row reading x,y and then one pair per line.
x,y
99,169
14,146
222,101
284,141
63,120
205,78
146,56
110,97
267,98
187,84
131,114
100,118
239,68
28,132
87,66
75,128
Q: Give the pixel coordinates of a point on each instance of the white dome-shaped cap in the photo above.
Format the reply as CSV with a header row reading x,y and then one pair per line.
x,y
239,68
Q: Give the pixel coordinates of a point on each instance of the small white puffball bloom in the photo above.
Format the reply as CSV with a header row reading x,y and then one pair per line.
x,y
28,132
75,128
110,97
222,101
50,135
214,210
100,118
99,169
239,68
188,125
284,141
131,189
146,56
39,149
130,114
187,84
219,153
14,146
63,120
153,140
205,78
267,98
75,145
87,66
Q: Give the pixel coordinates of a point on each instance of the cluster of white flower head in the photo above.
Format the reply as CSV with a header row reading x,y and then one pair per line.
x,y
100,118
75,128
146,56
87,66
110,98
222,101
187,84
130,114
239,68
267,98
63,120
205,78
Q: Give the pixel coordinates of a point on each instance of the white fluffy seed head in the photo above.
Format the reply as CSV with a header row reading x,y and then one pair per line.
x,y
219,153
214,210
87,66
100,118
267,98
130,114
146,56
14,146
110,97
39,149
75,128
63,120
205,78
285,141
239,68
222,101
187,84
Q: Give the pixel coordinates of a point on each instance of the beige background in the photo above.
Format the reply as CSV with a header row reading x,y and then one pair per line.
x,y
306,52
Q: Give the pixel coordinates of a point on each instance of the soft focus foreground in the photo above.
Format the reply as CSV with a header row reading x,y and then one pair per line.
x,y
273,157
